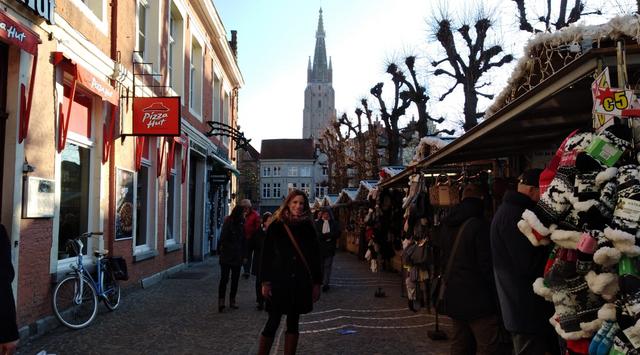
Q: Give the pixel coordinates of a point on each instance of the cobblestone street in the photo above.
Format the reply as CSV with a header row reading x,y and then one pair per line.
x,y
347,320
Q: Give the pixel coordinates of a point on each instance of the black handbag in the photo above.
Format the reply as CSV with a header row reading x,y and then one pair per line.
x,y
440,287
118,266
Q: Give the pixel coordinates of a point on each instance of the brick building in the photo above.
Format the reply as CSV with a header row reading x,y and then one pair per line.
x,y
69,71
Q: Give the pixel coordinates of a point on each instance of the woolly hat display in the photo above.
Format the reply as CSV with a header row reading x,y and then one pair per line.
x,y
577,309
624,224
557,200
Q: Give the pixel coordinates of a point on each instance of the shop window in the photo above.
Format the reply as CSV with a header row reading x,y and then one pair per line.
x,y
74,197
142,209
195,78
173,203
175,60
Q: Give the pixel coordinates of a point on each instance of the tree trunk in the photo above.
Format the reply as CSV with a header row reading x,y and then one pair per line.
x,y
470,107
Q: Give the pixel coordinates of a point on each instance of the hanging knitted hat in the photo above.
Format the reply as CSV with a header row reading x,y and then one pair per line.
x,y
626,216
558,198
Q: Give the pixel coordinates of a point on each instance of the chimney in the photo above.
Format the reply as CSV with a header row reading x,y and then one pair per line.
x,y
234,43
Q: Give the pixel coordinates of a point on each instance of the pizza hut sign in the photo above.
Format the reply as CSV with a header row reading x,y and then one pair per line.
x,y
156,116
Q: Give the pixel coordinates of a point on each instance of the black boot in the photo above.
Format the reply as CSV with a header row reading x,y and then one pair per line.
x,y
232,303
411,306
220,305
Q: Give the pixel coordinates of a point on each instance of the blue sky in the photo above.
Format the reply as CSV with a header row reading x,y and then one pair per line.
x,y
276,38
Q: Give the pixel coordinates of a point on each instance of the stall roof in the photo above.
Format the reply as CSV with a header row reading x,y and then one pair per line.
x,y
539,118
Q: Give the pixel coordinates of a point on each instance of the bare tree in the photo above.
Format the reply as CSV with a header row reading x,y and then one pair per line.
x,y
334,144
468,73
391,115
565,17
417,94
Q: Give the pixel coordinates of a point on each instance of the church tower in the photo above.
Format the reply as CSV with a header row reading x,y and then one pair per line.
x,y
319,98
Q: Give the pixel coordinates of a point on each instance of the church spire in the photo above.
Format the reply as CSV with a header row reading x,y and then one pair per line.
x,y
320,72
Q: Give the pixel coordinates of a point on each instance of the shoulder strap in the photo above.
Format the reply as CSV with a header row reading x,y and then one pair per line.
x,y
454,249
297,247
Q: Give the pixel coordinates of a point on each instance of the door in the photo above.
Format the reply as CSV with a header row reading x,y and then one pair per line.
x,y
4,115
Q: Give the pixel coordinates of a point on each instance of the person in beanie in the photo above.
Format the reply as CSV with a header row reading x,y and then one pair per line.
x,y
8,326
328,232
469,297
517,264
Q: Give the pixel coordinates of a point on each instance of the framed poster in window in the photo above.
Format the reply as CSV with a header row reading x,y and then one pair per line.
x,y
124,204
38,197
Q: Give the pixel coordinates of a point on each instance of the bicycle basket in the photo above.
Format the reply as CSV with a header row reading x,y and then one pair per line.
x,y
118,266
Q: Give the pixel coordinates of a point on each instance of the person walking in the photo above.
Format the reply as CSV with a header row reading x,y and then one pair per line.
x,y
251,227
517,264
469,296
291,270
328,231
258,244
8,326
232,255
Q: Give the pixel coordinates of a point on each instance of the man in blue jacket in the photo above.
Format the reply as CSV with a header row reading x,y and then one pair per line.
x,y
517,264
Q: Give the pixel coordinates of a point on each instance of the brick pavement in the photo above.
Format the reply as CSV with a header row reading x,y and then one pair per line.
x,y
179,316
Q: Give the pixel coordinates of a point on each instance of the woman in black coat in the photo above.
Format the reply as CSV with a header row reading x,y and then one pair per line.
x,y
8,327
290,281
232,255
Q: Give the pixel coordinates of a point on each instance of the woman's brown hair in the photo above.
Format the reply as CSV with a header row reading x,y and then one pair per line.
x,y
283,210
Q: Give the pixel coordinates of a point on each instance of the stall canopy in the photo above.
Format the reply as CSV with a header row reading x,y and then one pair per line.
x,y
540,117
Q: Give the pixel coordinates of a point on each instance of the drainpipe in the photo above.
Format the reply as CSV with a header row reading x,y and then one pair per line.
x,y
110,228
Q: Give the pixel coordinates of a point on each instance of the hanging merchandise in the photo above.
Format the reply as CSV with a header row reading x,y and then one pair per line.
x,y
444,192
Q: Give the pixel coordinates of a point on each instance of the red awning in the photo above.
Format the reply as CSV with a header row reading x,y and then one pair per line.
x,y
88,80
12,32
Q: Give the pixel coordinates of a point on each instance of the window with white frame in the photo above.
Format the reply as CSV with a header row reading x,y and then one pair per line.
x,y
276,190
304,187
141,28
195,77
266,171
175,49
217,98
325,171
226,108
266,190
276,171
97,7
292,186
293,171
319,191
305,171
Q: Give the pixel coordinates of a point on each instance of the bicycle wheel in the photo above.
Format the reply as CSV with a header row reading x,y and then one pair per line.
x,y
111,291
73,308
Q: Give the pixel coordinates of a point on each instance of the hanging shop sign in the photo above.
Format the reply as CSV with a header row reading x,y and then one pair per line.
x,y
156,116
609,102
43,8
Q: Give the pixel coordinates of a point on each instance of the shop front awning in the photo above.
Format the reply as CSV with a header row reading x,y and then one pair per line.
x,y
226,165
538,120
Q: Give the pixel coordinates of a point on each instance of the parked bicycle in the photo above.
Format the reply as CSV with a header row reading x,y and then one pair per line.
x,y
75,298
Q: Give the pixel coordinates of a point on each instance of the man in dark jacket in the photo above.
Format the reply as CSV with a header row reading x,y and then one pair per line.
x,y
328,231
470,297
517,264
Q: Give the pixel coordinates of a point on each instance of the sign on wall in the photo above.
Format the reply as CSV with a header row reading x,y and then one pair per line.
x,y
43,8
124,204
38,198
156,116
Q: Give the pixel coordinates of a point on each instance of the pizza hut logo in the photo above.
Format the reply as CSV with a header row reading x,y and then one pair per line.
x,y
155,115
